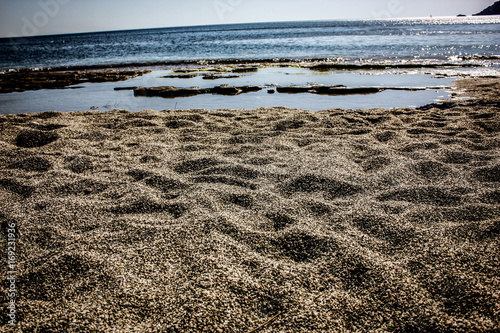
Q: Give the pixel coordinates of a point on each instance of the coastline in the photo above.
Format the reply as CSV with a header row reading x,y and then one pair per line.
x,y
192,220
64,77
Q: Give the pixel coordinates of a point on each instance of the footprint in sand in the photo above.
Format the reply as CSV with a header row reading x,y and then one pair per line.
x,y
312,183
431,195
33,163
35,138
487,174
196,165
301,246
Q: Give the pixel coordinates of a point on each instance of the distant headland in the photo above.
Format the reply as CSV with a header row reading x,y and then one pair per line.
x,y
491,10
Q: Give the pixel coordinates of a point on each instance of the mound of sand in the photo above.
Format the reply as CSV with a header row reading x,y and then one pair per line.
x,y
274,219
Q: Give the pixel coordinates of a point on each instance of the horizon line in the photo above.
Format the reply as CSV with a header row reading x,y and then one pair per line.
x,y
239,23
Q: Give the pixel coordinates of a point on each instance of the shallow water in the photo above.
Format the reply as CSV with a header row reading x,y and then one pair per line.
x,y
102,96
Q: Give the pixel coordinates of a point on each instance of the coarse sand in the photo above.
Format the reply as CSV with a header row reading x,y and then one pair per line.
x,y
268,220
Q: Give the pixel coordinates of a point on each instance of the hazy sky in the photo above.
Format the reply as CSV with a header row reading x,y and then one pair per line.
x,y
41,17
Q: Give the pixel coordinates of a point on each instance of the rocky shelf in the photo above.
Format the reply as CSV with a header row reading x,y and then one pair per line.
x,y
174,92
19,81
368,66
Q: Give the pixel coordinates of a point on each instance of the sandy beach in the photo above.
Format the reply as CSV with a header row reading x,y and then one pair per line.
x,y
266,220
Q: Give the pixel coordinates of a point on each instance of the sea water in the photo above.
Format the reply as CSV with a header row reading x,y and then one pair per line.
x,y
430,38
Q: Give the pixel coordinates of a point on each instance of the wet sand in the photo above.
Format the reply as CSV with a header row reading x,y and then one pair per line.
x,y
269,220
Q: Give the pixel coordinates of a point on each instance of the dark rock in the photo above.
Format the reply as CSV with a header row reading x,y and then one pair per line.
x,y
147,92
245,69
217,77
491,10
168,92
336,66
246,89
173,92
327,90
347,91
409,88
125,88
23,80
326,67
226,90
181,92
180,76
320,89
294,89
185,70
35,138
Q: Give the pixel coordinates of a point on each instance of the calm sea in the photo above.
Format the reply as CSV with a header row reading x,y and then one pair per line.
x,y
438,39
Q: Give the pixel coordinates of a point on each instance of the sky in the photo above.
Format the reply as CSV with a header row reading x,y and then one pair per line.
x,y
22,18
